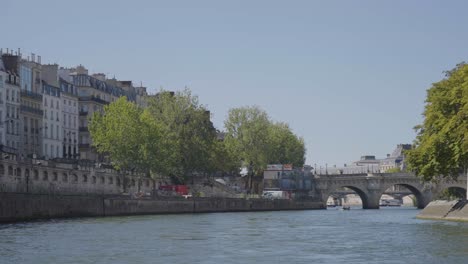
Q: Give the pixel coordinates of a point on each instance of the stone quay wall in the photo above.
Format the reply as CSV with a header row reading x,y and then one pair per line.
x,y
46,177
445,210
16,207
42,190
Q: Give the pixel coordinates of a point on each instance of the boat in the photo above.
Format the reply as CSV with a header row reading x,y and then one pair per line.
x,y
390,202
346,207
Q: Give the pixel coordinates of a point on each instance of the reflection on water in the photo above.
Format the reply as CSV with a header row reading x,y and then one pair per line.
x,y
389,235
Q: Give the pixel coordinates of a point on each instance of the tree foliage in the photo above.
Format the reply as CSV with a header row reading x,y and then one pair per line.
x,y
189,131
285,146
124,133
257,141
441,146
174,136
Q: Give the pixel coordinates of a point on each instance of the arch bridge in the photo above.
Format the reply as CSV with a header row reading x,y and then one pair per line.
x,y
371,186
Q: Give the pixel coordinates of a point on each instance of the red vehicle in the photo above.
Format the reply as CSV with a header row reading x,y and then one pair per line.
x,y
179,189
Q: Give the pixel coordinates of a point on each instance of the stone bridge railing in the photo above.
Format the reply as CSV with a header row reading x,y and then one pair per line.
x,y
371,186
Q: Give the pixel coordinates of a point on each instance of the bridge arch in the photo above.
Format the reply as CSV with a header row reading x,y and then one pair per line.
x,y
420,199
357,190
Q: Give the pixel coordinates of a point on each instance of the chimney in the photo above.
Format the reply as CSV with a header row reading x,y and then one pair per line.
x,y
19,52
33,57
39,59
388,155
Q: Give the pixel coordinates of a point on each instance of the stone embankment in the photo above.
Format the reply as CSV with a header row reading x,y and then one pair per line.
x,y
16,207
446,210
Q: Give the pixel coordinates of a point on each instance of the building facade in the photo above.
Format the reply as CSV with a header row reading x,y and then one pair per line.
x,y
10,103
51,122
3,78
31,113
44,109
70,115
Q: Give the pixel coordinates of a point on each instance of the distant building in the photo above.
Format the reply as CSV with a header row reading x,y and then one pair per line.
x,y
11,104
70,115
52,127
3,77
286,178
370,164
396,159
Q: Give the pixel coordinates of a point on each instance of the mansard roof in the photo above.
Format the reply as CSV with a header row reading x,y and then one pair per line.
x,y
85,80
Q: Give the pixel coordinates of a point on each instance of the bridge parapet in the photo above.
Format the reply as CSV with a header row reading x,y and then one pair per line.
x,y
371,186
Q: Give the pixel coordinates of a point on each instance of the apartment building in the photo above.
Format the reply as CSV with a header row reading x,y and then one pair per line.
x,y
3,78
11,103
44,109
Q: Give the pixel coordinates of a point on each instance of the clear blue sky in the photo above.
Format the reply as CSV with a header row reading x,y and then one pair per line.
x,y
348,76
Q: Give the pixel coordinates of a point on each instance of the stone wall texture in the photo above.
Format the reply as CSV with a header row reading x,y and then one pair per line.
x,y
26,206
445,210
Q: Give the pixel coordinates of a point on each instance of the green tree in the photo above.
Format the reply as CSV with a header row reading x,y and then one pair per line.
x,y
394,170
247,137
223,160
117,133
131,138
285,146
441,146
189,130
256,141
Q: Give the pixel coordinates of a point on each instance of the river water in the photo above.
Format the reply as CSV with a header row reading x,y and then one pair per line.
x,y
388,235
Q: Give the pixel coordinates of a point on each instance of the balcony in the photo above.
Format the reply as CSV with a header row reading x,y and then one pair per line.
x,y
6,149
13,82
83,129
32,95
25,108
83,113
93,99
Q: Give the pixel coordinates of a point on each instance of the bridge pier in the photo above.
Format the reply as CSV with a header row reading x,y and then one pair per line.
x,y
372,200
